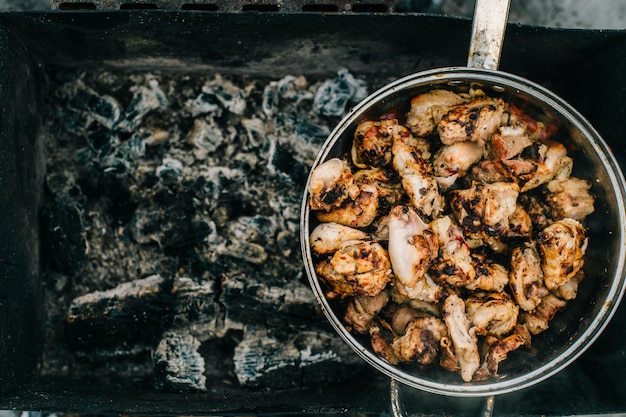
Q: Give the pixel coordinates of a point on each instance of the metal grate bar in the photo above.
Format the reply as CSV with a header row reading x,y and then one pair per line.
x,y
307,6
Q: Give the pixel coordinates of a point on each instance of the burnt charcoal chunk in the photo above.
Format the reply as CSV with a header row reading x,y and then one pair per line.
x,y
63,245
307,360
195,307
178,365
124,320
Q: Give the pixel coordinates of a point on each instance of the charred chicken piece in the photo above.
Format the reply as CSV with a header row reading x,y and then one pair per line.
x,y
570,198
417,177
498,350
569,290
386,183
454,263
562,246
492,313
473,121
331,184
463,337
508,142
357,268
327,238
455,160
359,212
538,320
420,341
427,109
553,164
362,310
526,277
490,276
372,143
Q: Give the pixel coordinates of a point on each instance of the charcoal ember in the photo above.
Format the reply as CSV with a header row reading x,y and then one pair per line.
x,y
206,137
146,98
121,321
230,96
195,307
263,299
102,108
63,245
306,359
178,365
333,95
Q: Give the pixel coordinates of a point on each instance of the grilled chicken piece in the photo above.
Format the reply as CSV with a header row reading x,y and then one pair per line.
x,y
570,198
362,310
381,338
454,160
372,143
473,121
569,290
420,341
359,212
427,109
490,276
508,142
492,313
538,320
412,247
386,182
488,171
331,184
327,238
463,337
416,176
520,224
357,268
537,210
562,246
498,350
526,277
454,263
554,164
485,208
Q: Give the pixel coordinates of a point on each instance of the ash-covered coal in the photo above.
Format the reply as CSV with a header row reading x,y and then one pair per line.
x,y
170,228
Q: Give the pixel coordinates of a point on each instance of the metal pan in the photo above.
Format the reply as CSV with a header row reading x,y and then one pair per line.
x,y
575,328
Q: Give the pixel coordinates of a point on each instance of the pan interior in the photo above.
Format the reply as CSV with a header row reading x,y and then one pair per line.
x,y
574,328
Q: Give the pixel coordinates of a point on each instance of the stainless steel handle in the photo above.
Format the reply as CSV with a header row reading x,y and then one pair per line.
x,y
397,409
490,19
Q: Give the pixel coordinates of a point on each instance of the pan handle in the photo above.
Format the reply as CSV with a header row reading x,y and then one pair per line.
x,y
489,25
397,407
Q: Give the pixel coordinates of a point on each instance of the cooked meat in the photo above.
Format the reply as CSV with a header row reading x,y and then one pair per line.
x,y
417,177
463,337
372,143
490,276
492,314
538,320
485,208
381,338
420,341
454,263
562,246
526,277
455,160
488,171
569,289
537,210
386,183
498,350
570,198
426,110
554,164
412,246
362,310
520,224
357,268
359,212
327,238
331,184
508,142
425,289
474,121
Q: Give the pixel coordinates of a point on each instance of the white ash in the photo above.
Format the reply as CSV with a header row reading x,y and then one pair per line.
x,y
198,180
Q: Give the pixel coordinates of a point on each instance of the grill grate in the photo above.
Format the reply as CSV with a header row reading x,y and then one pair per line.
x,y
307,6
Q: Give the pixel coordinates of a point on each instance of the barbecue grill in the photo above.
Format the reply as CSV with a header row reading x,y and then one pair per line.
x,y
267,41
